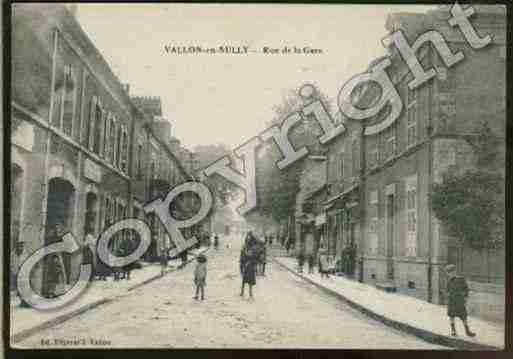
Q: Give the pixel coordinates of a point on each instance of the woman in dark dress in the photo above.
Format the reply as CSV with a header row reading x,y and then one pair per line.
x,y
55,276
457,294
248,264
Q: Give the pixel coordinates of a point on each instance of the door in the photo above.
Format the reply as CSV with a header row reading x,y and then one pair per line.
x,y
390,236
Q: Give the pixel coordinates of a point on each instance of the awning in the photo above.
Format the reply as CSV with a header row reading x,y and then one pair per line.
x,y
314,191
350,189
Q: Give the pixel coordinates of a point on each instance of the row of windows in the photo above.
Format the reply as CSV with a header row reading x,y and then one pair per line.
x,y
374,155
103,134
340,161
106,136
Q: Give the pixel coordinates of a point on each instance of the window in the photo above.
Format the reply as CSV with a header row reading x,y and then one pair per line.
x,y
121,211
107,212
136,212
106,135
355,157
68,100
124,153
411,127
373,223
390,147
373,156
119,139
341,165
411,213
90,128
112,139
98,112
153,170
138,161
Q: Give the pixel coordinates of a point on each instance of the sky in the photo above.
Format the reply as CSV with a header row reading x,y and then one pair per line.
x,y
221,98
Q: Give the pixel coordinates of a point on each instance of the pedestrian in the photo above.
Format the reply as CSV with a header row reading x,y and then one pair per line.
x,y
119,252
89,253
183,257
289,243
247,262
200,276
126,249
323,265
216,242
54,269
55,277
300,261
457,295
311,261
263,259
163,262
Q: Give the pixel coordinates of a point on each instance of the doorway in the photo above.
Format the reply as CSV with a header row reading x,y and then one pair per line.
x,y
390,236
91,213
59,209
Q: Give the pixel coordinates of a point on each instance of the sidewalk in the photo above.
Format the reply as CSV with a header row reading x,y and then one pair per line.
x,y
26,321
430,321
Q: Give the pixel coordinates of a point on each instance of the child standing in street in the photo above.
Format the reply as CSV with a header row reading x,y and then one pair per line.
x,y
200,276
300,261
457,294
323,265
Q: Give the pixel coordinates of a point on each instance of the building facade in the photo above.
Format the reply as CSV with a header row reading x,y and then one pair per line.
x,y
79,143
379,185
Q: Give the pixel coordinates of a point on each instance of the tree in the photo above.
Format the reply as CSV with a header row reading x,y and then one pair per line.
x,y
277,189
206,155
471,205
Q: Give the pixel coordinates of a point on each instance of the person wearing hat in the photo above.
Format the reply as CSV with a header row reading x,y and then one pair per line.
x,y
248,263
457,294
200,276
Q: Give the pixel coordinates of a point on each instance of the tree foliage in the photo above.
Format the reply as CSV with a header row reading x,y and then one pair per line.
x,y
471,205
277,189
206,155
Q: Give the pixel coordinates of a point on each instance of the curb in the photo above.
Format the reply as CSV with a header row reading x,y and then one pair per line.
x,y
23,334
423,334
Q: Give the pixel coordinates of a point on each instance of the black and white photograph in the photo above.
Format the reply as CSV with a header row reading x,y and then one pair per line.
x,y
256,176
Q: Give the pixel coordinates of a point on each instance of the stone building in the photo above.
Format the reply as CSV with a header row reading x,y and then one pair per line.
x,y
379,185
76,139
309,214
156,168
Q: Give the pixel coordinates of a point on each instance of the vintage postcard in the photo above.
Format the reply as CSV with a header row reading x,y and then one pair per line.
x,y
283,176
